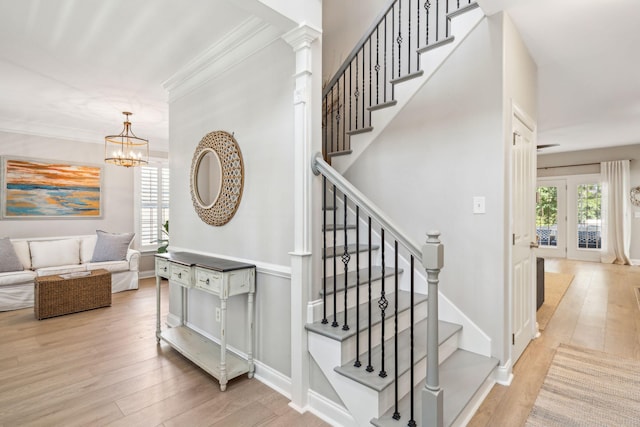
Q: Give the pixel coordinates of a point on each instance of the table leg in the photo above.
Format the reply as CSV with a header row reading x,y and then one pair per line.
x,y
251,334
223,344
158,314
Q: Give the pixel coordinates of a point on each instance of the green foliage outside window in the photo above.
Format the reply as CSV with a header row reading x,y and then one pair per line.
x,y
547,207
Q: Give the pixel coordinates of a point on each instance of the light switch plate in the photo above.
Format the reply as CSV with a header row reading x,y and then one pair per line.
x,y
479,205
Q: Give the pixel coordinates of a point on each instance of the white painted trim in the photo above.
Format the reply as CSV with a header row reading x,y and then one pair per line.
x,y
504,374
470,409
251,36
273,379
146,274
328,410
173,320
635,262
276,270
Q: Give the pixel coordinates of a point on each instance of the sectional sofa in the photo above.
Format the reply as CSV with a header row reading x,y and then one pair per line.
x,y
59,255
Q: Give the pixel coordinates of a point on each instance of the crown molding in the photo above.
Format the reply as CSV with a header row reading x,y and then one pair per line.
x,y
302,36
251,36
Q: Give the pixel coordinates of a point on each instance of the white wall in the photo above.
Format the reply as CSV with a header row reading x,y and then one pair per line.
x,y
630,152
344,24
117,191
444,148
253,100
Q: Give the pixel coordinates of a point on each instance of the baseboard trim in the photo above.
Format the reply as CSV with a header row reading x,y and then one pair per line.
x,y
504,374
328,410
146,274
273,379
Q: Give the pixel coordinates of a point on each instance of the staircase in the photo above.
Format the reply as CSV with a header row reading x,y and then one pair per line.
x,y
395,350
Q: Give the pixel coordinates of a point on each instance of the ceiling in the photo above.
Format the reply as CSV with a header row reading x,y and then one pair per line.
x,y
68,68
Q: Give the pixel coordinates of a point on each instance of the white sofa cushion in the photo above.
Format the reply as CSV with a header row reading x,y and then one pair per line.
x,y
17,277
60,269
22,250
87,245
111,266
51,253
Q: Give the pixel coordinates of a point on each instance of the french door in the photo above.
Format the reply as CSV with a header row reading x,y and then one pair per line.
x,y
569,217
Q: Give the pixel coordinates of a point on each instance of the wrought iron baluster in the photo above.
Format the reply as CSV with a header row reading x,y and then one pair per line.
x,y
427,6
377,67
399,39
345,260
369,365
324,129
363,91
412,421
324,250
383,303
344,107
385,60
356,94
350,98
418,30
409,42
393,31
396,414
335,273
437,20
370,81
357,363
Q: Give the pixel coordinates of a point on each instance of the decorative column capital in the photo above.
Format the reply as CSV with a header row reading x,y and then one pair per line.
x,y
301,37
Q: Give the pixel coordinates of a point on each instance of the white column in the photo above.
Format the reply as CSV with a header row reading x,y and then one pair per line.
x,y
301,39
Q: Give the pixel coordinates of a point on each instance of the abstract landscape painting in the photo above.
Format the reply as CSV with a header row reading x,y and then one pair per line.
x,y
48,189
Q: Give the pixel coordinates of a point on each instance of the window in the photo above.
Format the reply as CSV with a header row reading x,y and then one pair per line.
x,y
547,216
589,217
153,205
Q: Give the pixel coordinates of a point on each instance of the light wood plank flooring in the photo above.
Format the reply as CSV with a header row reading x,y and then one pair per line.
x,y
103,367
599,311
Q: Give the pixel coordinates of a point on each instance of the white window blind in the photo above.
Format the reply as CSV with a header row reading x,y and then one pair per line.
x,y
154,205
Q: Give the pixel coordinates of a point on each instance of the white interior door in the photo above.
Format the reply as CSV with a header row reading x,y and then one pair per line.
x,y
523,175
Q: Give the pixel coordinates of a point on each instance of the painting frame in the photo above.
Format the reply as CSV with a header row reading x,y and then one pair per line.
x,y
39,189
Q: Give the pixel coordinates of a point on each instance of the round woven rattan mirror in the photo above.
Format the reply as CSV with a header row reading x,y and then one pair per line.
x,y
217,178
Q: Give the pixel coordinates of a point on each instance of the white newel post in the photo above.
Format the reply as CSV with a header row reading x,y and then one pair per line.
x,y
432,395
301,39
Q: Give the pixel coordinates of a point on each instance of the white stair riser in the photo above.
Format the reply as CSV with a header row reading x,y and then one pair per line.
x,y
351,237
404,320
351,265
376,285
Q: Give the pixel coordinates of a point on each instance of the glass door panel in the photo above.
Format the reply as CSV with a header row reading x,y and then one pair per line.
x,y
551,218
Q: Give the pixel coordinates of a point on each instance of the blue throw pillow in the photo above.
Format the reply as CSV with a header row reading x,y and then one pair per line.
x,y
111,246
9,260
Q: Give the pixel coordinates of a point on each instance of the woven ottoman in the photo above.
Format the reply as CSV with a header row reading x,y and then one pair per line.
x,y
71,293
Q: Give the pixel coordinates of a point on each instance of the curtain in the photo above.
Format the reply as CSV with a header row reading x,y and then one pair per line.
x,y
616,217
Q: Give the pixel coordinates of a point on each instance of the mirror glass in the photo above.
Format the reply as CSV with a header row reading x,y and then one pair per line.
x,y
208,178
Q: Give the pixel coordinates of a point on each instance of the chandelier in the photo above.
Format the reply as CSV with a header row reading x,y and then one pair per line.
x,y
126,149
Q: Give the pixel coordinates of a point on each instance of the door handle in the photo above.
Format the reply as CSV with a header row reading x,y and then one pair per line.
x,y
533,245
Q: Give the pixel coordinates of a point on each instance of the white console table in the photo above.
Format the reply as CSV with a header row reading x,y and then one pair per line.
x,y
220,277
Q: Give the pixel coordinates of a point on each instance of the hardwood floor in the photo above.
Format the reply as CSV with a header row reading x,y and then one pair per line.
x,y
599,311
103,367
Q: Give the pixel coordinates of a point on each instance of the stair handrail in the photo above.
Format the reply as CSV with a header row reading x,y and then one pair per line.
x,y
319,166
367,35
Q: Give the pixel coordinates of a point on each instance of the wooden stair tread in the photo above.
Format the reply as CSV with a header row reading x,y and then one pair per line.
x,y
337,333
461,376
371,379
382,105
361,130
376,274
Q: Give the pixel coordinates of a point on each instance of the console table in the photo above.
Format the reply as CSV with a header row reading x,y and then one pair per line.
x,y
220,277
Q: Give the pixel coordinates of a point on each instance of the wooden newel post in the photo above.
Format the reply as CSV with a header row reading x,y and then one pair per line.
x,y
432,261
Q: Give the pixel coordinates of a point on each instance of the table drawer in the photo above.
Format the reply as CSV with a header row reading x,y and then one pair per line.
x,y
180,274
162,268
210,281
